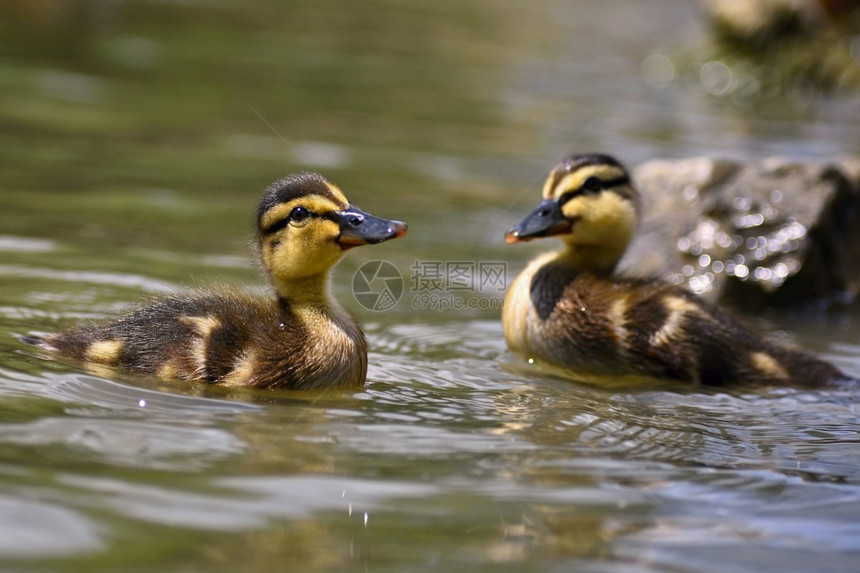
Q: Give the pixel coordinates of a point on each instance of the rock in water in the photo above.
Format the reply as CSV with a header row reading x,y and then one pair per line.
x,y
772,232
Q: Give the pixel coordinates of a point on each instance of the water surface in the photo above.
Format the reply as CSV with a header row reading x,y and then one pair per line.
x,y
137,137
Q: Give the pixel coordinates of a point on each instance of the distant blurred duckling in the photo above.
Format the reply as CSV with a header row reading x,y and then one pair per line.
x,y
301,338
569,308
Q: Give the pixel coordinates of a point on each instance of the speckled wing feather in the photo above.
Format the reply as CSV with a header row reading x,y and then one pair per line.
x,y
647,329
204,336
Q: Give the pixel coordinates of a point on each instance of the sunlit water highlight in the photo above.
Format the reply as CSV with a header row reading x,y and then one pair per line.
x,y
134,148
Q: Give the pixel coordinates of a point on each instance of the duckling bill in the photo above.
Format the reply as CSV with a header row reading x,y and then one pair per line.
x,y
299,338
569,308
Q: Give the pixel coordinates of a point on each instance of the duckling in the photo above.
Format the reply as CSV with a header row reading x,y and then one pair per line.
x,y
301,338
570,308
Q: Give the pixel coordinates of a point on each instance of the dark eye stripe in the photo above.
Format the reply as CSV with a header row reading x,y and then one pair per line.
x,y
276,226
568,195
281,223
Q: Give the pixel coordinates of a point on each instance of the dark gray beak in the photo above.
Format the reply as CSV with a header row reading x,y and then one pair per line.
x,y
545,221
360,228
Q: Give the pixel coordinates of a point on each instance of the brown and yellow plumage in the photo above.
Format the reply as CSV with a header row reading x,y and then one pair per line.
x,y
299,338
570,309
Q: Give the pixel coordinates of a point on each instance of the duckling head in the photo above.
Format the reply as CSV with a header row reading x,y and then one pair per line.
x,y
305,224
588,203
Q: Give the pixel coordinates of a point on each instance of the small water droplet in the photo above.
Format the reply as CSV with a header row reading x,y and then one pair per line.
x,y
690,193
142,403
658,70
741,203
281,326
717,78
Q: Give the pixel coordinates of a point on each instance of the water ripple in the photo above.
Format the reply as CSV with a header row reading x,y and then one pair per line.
x,y
35,529
147,284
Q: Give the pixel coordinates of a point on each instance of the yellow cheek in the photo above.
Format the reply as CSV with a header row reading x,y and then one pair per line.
x,y
303,251
602,216
614,210
315,238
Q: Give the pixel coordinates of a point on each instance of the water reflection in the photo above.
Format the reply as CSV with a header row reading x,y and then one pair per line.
x,y
44,530
137,138
562,471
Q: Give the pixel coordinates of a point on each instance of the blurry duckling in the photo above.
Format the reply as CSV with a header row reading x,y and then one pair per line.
x,y
569,308
301,338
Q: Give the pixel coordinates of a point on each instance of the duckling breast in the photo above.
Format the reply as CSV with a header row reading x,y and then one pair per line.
x,y
520,321
313,348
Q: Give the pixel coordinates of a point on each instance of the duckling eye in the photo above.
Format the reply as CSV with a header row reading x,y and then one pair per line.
x,y
299,215
592,185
